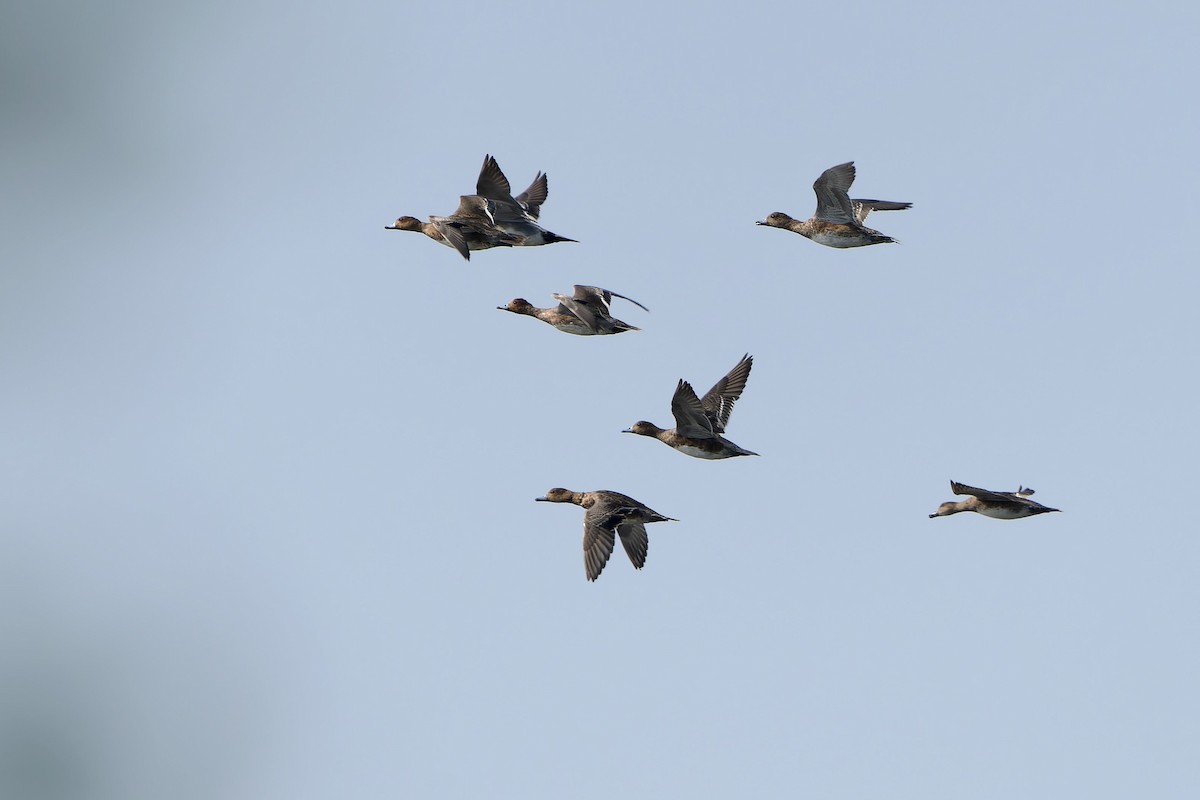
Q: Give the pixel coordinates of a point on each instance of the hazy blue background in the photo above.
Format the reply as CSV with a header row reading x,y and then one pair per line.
x,y
267,471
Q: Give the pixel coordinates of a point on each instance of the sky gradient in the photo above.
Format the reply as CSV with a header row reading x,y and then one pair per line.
x,y
267,525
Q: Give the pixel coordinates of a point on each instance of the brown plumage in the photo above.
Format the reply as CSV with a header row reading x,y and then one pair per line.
x,y
516,216
607,515
700,421
585,313
470,227
838,220
998,505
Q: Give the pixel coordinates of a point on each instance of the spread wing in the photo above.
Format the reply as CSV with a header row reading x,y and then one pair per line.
x,y
492,183
864,207
634,540
982,494
599,525
833,202
719,400
532,198
691,420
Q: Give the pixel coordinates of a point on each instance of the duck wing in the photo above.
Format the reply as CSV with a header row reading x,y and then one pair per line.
x,y
691,419
983,494
492,183
719,400
833,202
590,293
599,526
532,198
864,207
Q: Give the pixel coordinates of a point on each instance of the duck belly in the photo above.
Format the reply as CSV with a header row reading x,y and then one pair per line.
x,y
696,452
1004,513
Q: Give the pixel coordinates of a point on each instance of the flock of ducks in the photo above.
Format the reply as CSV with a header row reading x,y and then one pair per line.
x,y
493,217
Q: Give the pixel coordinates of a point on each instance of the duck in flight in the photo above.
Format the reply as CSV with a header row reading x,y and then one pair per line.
x,y
471,227
998,505
838,220
585,313
517,216
699,422
606,516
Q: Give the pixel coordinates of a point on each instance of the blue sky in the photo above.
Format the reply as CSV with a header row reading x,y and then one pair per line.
x,y
266,491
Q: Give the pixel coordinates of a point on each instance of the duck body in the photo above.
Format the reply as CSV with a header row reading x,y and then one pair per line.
x,y
517,216
584,313
470,227
607,515
838,220
699,423
997,505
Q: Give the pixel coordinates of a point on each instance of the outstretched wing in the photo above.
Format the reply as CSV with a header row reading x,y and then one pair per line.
x,y
532,198
982,494
691,419
599,526
492,183
719,400
864,207
833,202
634,540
